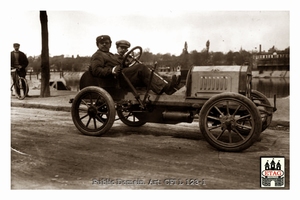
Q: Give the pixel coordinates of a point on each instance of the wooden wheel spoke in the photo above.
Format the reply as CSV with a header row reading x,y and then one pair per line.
x,y
237,109
214,127
88,122
238,133
103,112
214,118
244,117
127,116
223,131
103,104
98,117
95,124
82,109
245,126
81,118
98,100
84,102
134,118
230,136
218,110
227,107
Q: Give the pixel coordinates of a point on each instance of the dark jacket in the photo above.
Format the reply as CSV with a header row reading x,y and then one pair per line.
x,y
102,64
23,61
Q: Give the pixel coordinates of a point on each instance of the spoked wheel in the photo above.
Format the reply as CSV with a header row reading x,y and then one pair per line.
x,y
222,117
93,111
21,88
128,118
132,57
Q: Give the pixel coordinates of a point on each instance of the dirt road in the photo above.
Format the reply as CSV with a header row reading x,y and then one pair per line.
x,y
48,152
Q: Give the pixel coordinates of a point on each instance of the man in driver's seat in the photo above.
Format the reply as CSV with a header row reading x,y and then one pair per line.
x,y
105,64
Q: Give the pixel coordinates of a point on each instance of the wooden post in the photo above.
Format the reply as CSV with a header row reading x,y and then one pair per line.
x,y
45,67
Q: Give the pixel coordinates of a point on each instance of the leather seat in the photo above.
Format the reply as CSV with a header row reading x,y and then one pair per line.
x,y
87,79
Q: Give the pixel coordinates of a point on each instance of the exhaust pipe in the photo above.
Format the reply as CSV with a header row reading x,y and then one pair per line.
x,y
176,116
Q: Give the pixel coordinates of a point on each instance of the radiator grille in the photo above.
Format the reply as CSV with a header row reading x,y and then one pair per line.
x,y
214,83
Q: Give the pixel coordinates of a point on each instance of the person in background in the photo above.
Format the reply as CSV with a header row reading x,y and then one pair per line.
x,y
104,64
19,61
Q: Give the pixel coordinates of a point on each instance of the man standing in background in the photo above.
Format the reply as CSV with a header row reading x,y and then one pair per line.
x,y
19,61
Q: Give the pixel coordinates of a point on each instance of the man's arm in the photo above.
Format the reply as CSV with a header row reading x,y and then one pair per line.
x,y
99,68
23,60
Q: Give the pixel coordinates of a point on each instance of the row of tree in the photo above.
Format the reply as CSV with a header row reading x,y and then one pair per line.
x,y
60,63
185,60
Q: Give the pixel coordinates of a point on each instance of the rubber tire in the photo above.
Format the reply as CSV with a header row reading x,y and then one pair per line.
x,y
110,106
241,100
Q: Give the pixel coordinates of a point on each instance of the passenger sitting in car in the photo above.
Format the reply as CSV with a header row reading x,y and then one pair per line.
x,y
122,47
105,64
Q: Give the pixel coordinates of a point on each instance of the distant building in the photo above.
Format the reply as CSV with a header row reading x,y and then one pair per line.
x,y
271,60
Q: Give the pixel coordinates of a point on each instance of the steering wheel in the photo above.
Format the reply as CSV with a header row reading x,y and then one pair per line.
x,y
132,57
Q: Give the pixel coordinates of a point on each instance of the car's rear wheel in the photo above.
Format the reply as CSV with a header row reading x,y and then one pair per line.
x,y
127,117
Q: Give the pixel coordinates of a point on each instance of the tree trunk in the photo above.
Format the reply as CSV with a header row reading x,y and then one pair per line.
x,y
45,66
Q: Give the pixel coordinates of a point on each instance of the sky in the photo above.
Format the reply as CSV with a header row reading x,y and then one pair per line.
x,y
157,29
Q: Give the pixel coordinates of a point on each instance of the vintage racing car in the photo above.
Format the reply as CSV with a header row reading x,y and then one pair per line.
x,y
231,115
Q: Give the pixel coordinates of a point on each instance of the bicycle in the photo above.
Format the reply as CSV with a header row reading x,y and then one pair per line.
x,y
20,85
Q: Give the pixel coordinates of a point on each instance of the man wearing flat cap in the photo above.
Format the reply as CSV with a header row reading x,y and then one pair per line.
x,y
18,61
104,64
122,47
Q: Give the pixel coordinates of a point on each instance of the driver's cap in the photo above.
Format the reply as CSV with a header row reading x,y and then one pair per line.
x,y
123,43
102,38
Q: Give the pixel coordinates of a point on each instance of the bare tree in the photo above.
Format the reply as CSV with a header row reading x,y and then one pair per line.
x,y
207,51
45,66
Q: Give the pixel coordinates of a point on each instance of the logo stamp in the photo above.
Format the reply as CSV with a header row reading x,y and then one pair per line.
x,y
272,172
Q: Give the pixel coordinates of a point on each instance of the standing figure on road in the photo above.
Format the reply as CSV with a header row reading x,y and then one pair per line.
x,y
19,61
104,64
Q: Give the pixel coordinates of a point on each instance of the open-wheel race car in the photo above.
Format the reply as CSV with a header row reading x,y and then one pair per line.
x,y
231,115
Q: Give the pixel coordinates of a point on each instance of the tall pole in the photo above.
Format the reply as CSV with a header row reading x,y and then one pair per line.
x,y
45,66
